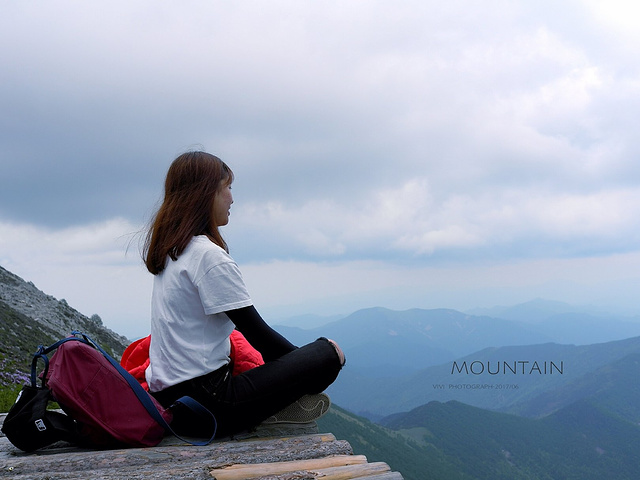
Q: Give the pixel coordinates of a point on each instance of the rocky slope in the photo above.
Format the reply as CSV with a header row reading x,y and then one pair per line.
x,y
30,317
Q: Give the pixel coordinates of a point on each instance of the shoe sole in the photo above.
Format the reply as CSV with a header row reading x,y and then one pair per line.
x,y
305,410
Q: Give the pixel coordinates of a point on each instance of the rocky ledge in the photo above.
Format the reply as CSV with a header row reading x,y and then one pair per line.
x,y
279,457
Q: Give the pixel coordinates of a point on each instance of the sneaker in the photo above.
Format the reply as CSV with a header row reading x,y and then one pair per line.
x,y
305,410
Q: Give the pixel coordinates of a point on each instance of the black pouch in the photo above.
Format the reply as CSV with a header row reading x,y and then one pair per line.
x,y
30,426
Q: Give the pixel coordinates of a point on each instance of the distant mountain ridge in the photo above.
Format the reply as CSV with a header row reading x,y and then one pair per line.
x,y
384,342
613,386
412,351
586,368
565,323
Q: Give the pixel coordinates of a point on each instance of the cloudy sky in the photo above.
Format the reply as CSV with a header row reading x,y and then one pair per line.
x,y
401,154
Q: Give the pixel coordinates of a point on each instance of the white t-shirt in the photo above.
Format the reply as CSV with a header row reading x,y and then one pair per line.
x,y
189,329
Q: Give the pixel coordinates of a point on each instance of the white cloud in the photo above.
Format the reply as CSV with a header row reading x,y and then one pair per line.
x,y
411,219
620,17
416,132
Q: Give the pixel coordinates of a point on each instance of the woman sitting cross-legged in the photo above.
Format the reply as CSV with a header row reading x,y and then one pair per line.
x,y
199,298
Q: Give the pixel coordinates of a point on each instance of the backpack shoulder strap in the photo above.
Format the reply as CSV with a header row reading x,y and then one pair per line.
x,y
42,352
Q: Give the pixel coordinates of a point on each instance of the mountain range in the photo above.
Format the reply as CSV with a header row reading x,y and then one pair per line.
x,y
379,338
521,392
413,352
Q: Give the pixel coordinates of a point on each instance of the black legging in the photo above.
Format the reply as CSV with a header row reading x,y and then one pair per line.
x,y
243,401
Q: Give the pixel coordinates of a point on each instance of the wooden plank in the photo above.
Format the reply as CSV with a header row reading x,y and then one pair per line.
x,y
384,476
257,470
305,470
326,459
352,471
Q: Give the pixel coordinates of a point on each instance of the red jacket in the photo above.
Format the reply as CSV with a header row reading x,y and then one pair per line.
x,y
135,358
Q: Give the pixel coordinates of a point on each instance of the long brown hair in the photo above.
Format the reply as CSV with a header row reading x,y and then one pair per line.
x,y
192,182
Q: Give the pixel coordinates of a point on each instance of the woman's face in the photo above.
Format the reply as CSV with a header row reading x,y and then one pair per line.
x,y
221,204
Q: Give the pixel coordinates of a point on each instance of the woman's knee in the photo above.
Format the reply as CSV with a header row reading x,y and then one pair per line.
x,y
334,352
339,351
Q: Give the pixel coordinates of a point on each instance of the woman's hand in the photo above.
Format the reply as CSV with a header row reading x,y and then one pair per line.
x,y
339,351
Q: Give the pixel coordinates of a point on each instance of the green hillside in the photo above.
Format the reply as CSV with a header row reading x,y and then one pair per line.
x,y
18,344
614,387
580,442
413,460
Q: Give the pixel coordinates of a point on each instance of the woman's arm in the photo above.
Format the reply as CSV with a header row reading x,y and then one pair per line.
x,y
261,336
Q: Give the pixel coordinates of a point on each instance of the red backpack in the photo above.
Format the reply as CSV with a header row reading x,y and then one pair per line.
x,y
108,406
